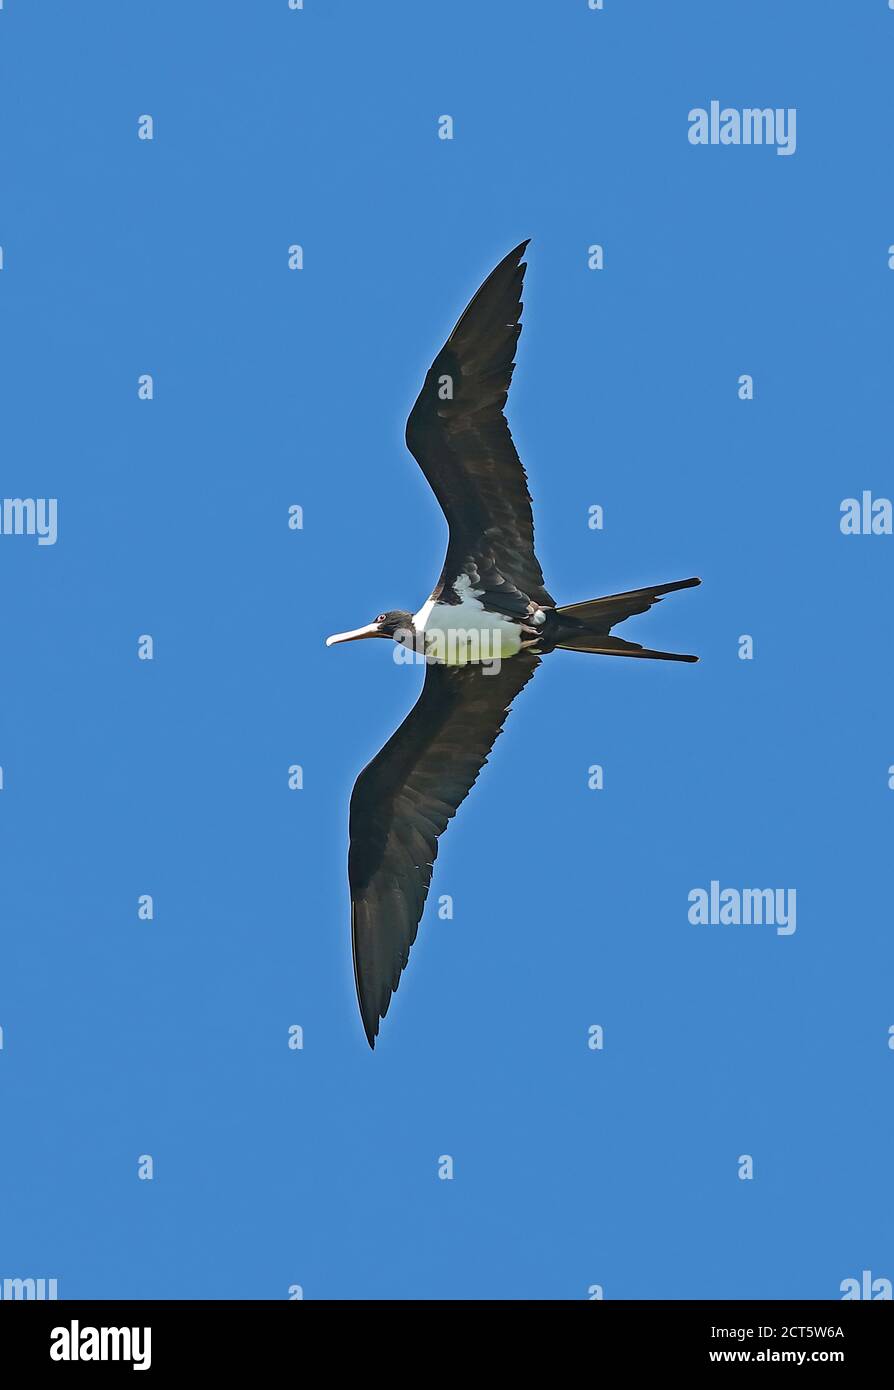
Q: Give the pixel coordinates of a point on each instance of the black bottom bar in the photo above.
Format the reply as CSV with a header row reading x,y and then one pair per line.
x,y
68,1338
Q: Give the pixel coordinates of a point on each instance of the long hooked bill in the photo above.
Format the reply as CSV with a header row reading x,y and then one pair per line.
x,y
371,630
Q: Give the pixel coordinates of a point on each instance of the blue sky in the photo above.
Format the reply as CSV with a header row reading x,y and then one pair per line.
x,y
276,1167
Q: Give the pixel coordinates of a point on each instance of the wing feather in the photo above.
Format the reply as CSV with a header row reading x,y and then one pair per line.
x,y
460,438
401,804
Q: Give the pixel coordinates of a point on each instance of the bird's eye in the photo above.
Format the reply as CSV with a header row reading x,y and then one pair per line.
x,y
381,617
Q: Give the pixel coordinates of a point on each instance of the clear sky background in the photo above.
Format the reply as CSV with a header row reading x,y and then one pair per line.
x,y
573,1167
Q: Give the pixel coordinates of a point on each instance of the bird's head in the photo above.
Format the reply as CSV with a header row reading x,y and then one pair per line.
x,y
395,624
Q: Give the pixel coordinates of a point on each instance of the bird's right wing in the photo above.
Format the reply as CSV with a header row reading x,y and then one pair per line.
x,y
402,802
460,438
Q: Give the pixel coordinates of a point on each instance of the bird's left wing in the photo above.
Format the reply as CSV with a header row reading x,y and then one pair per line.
x,y
402,802
460,438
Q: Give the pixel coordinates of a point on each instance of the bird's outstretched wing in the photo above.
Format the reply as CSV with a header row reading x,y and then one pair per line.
x,y
402,802
458,434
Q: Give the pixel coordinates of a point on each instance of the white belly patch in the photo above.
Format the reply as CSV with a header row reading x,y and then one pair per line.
x,y
460,633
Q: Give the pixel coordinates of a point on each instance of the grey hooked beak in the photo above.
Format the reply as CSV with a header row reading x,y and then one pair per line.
x,y
371,630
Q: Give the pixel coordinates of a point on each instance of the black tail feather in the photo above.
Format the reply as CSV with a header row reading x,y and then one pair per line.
x,y
616,646
605,612
586,627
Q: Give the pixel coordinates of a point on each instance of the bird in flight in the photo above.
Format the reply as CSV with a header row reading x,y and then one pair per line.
x,y
480,635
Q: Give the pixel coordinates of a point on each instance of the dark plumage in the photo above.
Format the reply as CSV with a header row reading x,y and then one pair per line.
x,y
465,449
491,578
402,802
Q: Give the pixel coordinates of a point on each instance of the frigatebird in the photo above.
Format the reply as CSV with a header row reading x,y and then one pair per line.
x,y
481,635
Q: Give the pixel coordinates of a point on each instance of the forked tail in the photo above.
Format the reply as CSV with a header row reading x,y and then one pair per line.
x,y
586,627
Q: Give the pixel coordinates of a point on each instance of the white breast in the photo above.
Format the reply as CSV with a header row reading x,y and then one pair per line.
x,y
459,633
